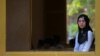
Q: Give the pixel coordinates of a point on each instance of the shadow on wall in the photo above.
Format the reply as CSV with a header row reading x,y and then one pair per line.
x,y
51,42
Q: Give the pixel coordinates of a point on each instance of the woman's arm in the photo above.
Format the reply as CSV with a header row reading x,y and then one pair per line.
x,y
76,47
88,44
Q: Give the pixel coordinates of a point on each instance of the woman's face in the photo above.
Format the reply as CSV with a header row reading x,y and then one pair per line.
x,y
81,22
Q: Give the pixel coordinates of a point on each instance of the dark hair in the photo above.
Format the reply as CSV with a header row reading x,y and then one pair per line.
x,y
82,36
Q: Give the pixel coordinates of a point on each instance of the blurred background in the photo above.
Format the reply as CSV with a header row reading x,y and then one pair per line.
x,y
74,9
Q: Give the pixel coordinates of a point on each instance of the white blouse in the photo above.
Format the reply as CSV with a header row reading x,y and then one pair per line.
x,y
84,47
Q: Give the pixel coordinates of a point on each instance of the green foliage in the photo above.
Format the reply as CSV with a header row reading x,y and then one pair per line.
x,y
72,29
75,7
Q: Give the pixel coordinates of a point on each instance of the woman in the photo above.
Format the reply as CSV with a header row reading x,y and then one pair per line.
x,y
84,37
